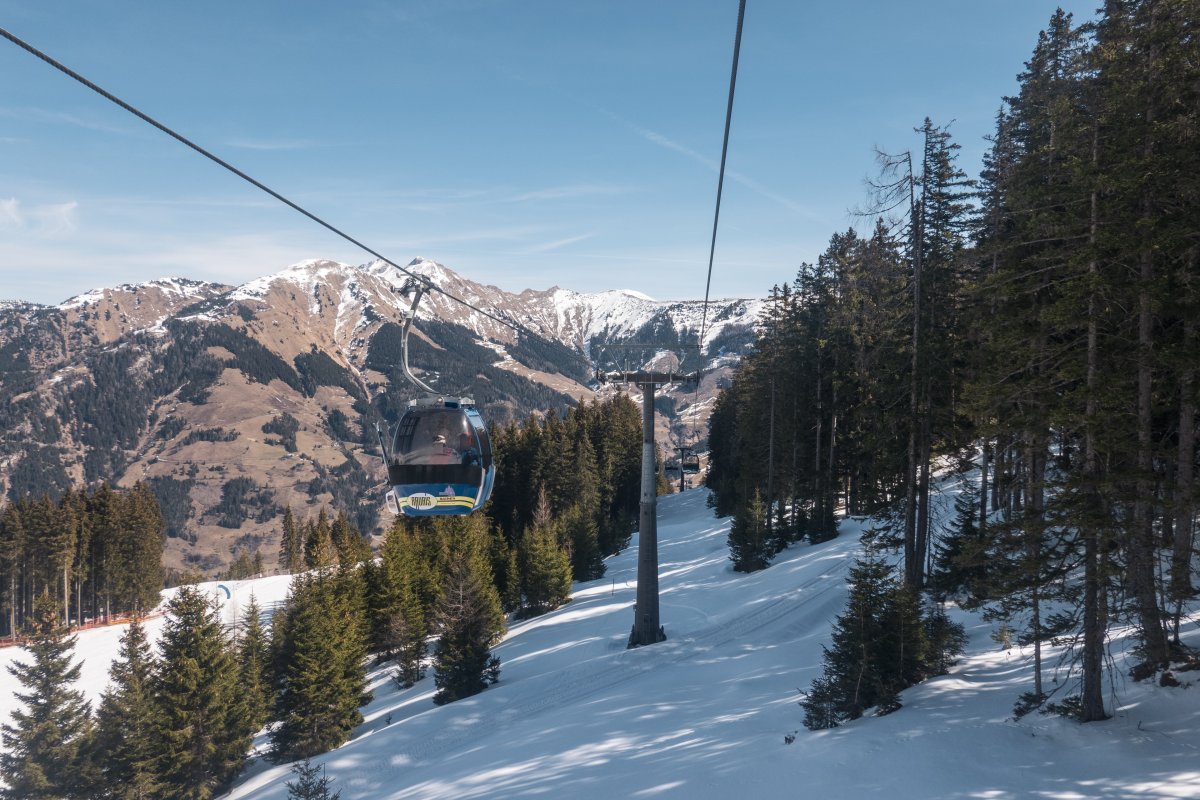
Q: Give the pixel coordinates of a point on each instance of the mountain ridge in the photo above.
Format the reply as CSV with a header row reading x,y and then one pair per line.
x,y
181,383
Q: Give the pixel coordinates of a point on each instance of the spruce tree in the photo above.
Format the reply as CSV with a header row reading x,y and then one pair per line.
x,y
291,545
141,549
318,543
308,786
44,747
254,661
583,536
202,734
399,616
749,546
349,544
469,617
12,548
546,567
878,649
125,746
323,677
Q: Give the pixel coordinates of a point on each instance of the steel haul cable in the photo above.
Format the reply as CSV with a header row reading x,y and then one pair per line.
x,y
712,249
216,159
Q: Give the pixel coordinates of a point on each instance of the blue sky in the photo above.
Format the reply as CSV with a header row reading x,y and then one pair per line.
x,y
523,143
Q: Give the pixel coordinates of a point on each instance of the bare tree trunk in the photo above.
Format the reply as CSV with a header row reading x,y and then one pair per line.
x,y
832,476
1035,468
983,484
818,500
66,589
1094,599
912,565
922,544
770,455
1182,546
1141,539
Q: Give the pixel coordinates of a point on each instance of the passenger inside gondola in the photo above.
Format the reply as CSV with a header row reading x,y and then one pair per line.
x,y
468,451
431,441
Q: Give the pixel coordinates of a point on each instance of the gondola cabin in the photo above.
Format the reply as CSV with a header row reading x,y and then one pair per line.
x,y
690,463
671,468
441,459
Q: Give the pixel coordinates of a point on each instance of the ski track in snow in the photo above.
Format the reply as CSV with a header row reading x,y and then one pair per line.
x,y
575,683
702,715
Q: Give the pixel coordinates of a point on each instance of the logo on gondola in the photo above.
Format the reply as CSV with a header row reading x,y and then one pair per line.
x,y
422,500
448,492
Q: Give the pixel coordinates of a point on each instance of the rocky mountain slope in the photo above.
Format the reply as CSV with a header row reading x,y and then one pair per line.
x,y
235,402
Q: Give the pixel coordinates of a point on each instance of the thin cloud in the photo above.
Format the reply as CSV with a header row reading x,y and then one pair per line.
x,y
269,144
568,192
662,141
548,246
48,220
10,213
59,118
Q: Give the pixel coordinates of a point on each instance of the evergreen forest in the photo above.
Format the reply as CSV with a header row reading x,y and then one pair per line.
x,y
1037,323
178,721
97,553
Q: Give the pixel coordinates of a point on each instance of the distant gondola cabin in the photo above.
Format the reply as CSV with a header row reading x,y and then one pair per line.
x,y
441,459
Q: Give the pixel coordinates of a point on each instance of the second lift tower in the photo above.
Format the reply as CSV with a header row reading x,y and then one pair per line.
x,y
646,626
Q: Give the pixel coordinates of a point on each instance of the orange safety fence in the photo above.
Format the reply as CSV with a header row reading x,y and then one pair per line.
x,y
113,619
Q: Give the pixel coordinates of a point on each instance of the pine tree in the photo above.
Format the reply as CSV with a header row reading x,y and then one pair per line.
x,y
399,617
318,543
546,567
124,752
141,549
511,601
469,617
202,735
349,544
583,535
308,786
12,548
960,563
291,545
406,637
749,547
323,678
878,649
44,749
254,660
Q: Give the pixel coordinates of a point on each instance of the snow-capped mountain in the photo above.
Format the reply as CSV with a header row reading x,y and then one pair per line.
x,y
180,382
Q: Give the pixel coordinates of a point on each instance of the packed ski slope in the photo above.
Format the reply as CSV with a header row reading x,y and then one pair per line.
x,y
705,713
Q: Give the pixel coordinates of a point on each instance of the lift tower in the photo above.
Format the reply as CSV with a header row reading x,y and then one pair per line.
x,y
646,626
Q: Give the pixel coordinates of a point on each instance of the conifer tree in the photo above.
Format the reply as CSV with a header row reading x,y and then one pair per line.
x,y
878,649
511,600
323,678
202,734
318,543
141,549
546,567
349,544
749,546
406,637
960,561
582,534
254,662
44,747
308,786
400,617
291,545
125,747
469,618
12,547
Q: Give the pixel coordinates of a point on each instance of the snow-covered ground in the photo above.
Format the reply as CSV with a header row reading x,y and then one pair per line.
x,y
705,713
